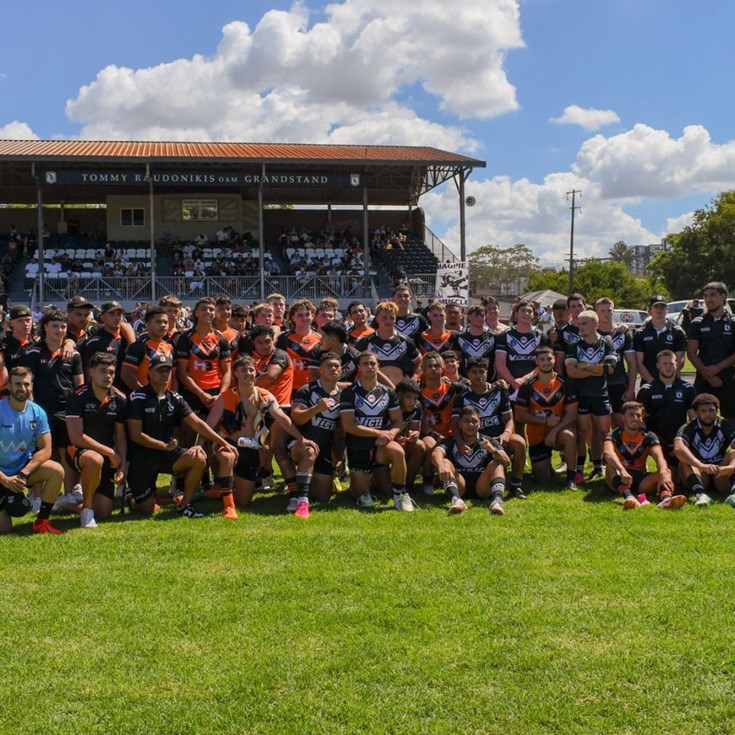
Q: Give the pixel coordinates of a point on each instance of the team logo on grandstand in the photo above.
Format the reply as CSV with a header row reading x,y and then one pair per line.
x,y
50,177
354,179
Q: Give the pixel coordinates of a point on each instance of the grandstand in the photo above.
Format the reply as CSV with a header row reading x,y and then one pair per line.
x,y
142,201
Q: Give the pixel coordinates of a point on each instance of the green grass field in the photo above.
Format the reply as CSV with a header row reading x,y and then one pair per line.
x,y
568,615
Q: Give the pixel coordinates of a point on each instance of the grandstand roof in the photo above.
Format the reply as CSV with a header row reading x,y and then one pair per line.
x,y
396,175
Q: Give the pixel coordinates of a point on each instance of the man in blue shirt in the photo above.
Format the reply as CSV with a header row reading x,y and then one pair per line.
x,y
25,455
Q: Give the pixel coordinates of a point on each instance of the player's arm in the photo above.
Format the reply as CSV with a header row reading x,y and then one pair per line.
x,y
684,454
43,453
301,414
383,379
204,430
396,420
508,425
270,376
646,376
284,421
214,417
75,428
501,368
187,382
136,434
129,376
693,355
613,461
661,464
444,468
350,426
631,360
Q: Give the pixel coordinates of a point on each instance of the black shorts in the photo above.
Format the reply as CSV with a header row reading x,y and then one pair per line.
x,y
638,477
671,458
725,394
361,458
59,434
107,480
248,462
596,405
196,405
144,468
616,396
539,452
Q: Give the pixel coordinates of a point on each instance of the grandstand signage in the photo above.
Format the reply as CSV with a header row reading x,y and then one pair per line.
x,y
137,177
453,282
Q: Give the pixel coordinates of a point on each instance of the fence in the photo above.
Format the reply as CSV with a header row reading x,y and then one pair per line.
x,y
237,288
438,248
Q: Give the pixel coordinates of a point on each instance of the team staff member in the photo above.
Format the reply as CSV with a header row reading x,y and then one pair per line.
x,y
25,456
626,450
372,421
668,404
704,448
54,381
547,405
20,321
109,337
154,413
98,443
711,350
657,334
479,467
154,341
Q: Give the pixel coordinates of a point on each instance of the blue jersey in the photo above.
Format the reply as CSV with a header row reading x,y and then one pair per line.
x,y
18,433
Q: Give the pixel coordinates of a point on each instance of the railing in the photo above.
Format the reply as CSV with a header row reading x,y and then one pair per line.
x,y
237,288
438,248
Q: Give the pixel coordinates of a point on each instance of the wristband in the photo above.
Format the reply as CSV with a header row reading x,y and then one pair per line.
x,y
22,475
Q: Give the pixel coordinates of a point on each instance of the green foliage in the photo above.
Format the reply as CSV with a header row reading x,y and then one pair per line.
x,y
622,253
596,278
702,252
568,615
494,266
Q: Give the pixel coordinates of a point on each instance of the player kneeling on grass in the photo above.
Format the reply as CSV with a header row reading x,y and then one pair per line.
x,y
95,421
626,451
372,420
240,414
25,456
477,468
704,448
154,413
315,410
547,405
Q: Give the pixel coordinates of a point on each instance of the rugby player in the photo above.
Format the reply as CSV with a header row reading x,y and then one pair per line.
x,y
626,450
153,341
477,340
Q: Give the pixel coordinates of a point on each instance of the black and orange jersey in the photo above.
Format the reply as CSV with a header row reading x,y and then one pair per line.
x,y
632,449
12,350
438,404
545,399
140,353
283,387
232,336
428,342
233,412
300,350
354,335
205,355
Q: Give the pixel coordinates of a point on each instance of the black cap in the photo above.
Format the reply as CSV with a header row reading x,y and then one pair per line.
x,y
559,304
111,306
657,299
19,312
79,302
17,505
161,361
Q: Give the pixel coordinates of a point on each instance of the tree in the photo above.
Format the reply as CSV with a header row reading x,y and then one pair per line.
x,y
494,266
702,252
597,278
622,253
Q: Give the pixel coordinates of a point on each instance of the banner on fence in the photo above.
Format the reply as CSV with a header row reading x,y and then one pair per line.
x,y
453,282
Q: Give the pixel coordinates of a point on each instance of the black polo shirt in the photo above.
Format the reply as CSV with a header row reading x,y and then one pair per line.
x,y
160,414
666,407
715,338
650,342
98,417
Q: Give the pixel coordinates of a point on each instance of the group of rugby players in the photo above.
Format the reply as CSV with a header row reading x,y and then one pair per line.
x,y
461,399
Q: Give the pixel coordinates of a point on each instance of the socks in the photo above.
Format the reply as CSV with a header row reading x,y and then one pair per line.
x,y
497,489
398,490
45,512
451,489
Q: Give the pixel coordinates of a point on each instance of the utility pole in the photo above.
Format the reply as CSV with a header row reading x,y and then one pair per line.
x,y
574,193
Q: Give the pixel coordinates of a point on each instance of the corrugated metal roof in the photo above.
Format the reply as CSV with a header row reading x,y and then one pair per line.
x,y
254,152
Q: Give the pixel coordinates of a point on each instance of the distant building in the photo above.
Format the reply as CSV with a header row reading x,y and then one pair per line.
x,y
644,255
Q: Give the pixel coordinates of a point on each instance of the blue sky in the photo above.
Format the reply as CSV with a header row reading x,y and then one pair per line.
x,y
646,136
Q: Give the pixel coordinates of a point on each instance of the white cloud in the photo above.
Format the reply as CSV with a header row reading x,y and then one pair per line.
x,y
677,224
645,162
338,80
17,130
509,212
587,117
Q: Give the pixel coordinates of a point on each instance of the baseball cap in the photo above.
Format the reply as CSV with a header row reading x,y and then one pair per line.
x,y
17,504
657,299
161,361
79,302
18,312
111,306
